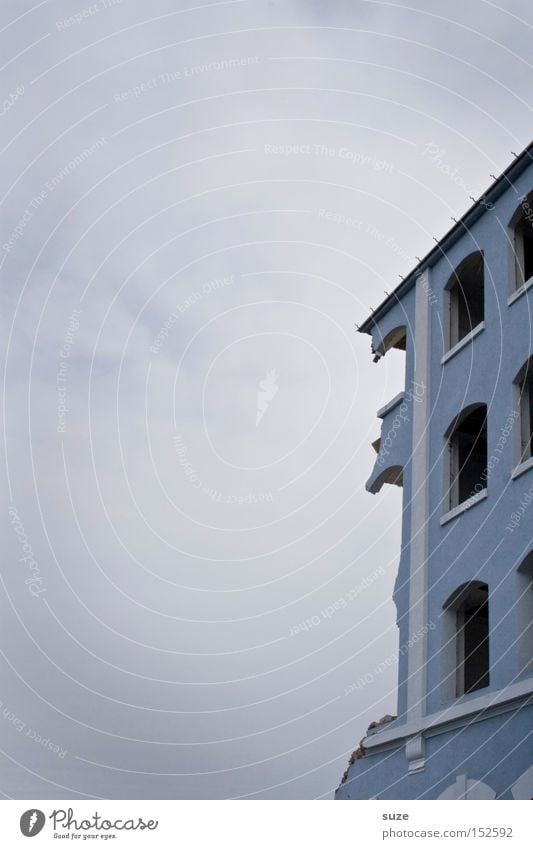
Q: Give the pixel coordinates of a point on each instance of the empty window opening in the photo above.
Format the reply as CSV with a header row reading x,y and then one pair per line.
x,y
468,456
525,615
466,296
466,640
524,383
473,643
523,243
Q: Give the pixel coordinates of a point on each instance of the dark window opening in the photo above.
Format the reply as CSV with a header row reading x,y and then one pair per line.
x,y
530,412
523,245
524,610
468,456
525,384
466,291
473,642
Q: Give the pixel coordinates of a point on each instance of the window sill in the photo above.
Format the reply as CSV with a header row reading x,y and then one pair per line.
x,y
519,292
522,467
464,341
465,505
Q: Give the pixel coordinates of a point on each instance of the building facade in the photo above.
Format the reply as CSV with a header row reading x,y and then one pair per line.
x,y
459,440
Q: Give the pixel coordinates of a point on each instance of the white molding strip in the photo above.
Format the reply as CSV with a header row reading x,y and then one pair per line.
x,y
465,505
463,342
488,704
418,547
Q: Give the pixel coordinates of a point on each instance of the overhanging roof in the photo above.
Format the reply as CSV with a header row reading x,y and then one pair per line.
x,y
506,179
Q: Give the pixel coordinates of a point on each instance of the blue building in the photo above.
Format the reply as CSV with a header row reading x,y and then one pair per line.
x,y
458,439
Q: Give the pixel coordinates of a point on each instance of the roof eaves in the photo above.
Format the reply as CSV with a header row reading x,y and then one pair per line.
x,y
499,185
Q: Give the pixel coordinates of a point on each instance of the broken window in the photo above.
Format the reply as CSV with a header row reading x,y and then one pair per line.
x,y
468,455
466,297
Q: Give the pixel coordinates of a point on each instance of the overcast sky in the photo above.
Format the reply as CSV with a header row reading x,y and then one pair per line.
x,y
197,205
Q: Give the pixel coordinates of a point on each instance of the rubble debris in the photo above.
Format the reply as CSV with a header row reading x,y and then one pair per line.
x,y
360,752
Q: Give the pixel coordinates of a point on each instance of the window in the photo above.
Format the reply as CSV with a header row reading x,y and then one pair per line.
x,y
525,615
473,643
524,397
467,638
522,234
466,295
467,455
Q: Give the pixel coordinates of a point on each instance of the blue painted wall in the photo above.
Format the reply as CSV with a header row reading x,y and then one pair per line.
x,y
478,544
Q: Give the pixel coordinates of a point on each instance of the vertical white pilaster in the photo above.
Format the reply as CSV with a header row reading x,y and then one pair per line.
x,y
417,652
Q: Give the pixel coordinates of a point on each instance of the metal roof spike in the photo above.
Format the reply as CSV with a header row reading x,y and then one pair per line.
x,y
493,177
